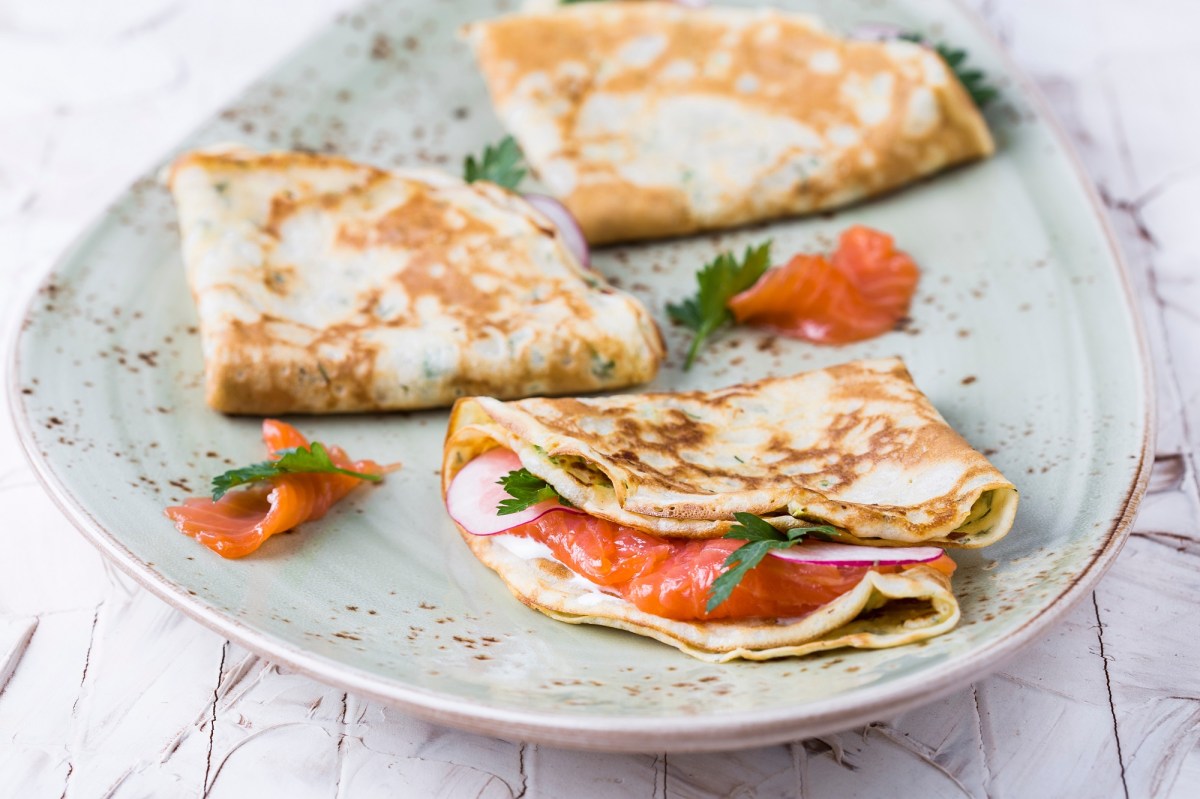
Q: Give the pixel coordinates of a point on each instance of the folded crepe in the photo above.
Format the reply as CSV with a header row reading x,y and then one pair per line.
x,y
881,611
328,286
650,119
857,447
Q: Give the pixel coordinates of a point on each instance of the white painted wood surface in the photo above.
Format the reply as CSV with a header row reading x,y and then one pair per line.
x,y
105,691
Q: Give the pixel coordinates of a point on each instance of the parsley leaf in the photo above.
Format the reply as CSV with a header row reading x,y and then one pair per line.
x,y
500,164
973,80
296,460
526,489
760,538
718,281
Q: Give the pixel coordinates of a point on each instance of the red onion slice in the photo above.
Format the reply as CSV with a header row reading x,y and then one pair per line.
x,y
831,554
474,494
876,31
568,227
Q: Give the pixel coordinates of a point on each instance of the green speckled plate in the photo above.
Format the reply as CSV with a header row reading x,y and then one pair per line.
x,y
1023,336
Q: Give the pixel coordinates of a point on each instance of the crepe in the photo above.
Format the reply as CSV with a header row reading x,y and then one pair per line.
x,y
855,446
883,610
650,119
323,285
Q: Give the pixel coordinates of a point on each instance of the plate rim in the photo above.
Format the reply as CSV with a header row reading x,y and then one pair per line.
x,y
623,733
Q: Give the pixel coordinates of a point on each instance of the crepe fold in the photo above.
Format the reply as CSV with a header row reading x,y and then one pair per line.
x,y
856,446
324,285
650,119
883,610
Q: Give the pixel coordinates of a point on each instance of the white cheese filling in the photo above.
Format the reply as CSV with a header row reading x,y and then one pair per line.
x,y
528,549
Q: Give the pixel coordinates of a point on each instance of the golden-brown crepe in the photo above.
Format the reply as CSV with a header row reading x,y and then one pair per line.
x,y
650,119
326,286
856,446
883,610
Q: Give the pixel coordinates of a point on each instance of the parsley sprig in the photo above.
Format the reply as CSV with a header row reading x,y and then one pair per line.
x,y
526,489
718,281
760,538
501,164
973,80
295,460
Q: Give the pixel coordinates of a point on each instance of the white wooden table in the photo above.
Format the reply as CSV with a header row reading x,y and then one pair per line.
x,y
106,691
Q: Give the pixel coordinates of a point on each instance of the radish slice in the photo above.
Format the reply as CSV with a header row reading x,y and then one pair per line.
x,y
850,555
571,232
475,492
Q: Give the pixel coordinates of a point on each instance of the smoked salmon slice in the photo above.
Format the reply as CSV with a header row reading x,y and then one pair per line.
x,y
672,578
240,521
862,291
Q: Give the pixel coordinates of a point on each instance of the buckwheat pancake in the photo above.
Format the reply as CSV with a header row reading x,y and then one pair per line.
x,y
647,484
855,446
650,119
324,285
881,611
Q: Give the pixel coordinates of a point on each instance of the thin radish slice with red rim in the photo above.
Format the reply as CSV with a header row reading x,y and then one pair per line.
x,y
833,554
568,226
475,492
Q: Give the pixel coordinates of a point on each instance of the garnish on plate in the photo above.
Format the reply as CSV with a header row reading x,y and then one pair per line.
x,y
862,290
811,546
294,460
525,489
973,80
718,282
760,538
501,164
301,484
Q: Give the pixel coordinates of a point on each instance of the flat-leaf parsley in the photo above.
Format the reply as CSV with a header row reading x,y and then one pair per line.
x,y
526,490
718,281
500,164
760,538
296,460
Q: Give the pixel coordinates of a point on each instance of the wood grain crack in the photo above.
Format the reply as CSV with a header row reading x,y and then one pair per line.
x,y
251,737
8,666
1108,687
1133,210
657,776
212,721
1168,473
238,674
1170,375
796,749
983,758
832,745
1179,542
67,784
341,742
87,662
151,23
917,750
521,770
